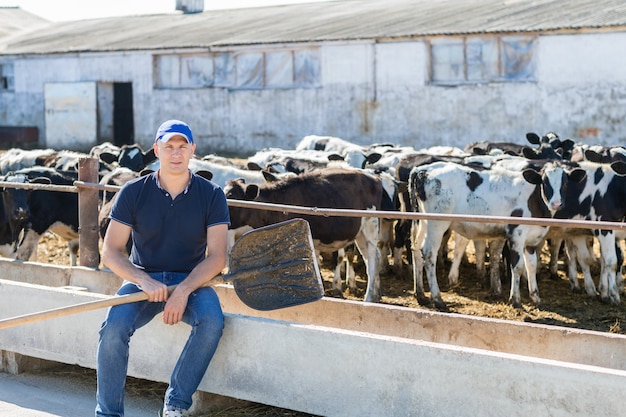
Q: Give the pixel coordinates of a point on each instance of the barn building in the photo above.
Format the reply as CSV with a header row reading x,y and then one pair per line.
x,y
409,72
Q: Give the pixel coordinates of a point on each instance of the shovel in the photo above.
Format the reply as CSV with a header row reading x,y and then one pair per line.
x,y
271,267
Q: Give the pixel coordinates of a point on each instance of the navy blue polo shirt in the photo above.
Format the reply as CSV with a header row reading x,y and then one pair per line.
x,y
169,235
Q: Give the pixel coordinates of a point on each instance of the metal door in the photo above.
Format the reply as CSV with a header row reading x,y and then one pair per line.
x,y
71,115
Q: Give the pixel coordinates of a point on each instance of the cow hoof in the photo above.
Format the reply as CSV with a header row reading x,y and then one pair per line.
x,y
614,299
453,285
372,299
337,294
422,300
441,306
516,304
495,296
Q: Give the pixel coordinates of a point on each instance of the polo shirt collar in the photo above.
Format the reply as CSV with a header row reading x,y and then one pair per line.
x,y
158,182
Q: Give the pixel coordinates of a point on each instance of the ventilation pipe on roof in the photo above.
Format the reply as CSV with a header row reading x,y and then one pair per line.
x,y
190,6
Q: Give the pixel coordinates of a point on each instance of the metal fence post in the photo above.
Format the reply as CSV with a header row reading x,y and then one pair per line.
x,y
88,237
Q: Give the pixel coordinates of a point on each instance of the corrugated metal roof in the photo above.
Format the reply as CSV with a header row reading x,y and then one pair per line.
x,y
14,20
333,20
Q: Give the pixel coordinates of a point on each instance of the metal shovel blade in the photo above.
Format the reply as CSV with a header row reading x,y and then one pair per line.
x,y
275,266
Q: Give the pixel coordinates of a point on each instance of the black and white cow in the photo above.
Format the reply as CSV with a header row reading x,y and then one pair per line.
x,y
50,210
548,146
221,173
450,188
355,155
298,161
131,156
14,214
327,188
600,197
15,159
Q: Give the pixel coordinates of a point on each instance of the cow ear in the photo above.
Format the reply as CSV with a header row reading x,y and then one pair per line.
x,y
567,144
373,157
149,156
208,175
145,171
269,176
477,150
253,166
532,176
619,167
593,156
529,153
252,191
108,157
577,175
533,138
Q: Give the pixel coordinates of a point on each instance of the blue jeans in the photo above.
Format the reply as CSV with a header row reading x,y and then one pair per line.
x,y
203,314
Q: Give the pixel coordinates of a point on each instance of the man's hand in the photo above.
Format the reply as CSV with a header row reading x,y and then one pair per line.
x,y
156,290
175,307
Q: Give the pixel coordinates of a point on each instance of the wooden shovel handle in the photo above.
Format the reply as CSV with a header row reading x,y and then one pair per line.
x,y
87,306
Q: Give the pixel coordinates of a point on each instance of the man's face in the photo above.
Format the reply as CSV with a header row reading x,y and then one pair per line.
x,y
174,155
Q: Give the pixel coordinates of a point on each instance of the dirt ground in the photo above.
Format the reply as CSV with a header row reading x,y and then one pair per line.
x,y
560,306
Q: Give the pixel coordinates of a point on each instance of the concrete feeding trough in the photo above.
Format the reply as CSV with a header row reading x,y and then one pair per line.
x,y
334,357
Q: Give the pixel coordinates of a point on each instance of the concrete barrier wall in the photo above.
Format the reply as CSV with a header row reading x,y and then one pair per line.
x,y
331,371
536,340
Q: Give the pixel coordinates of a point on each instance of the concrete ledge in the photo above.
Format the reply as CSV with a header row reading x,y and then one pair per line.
x,y
336,357
328,371
536,340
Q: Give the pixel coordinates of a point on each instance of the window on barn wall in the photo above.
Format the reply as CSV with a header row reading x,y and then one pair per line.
x,y
481,60
518,58
249,70
6,77
224,69
196,71
284,68
306,67
279,69
184,71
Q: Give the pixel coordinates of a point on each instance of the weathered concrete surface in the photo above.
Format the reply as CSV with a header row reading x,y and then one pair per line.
x,y
54,395
541,341
296,358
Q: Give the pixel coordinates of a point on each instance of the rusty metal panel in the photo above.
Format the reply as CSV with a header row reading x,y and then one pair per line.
x,y
71,115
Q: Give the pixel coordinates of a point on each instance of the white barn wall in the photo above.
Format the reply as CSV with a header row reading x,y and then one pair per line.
x,y
584,92
573,59
401,73
370,92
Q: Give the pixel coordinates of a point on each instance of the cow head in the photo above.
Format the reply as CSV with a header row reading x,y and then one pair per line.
x,y
15,203
133,157
239,190
552,181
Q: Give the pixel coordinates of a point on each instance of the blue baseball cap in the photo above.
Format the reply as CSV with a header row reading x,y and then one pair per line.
x,y
173,128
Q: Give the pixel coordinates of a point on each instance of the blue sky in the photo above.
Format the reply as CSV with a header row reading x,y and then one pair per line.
x,y
62,10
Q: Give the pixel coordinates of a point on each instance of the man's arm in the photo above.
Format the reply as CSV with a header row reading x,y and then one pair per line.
x,y
114,257
213,264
